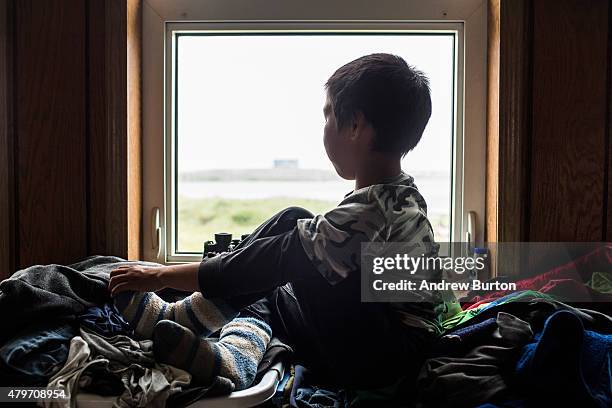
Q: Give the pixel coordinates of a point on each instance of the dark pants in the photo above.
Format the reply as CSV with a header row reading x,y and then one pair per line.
x,y
339,338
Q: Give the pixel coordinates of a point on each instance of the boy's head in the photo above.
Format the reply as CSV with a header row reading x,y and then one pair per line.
x,y
377,105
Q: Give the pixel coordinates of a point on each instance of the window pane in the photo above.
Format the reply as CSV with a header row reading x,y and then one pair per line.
x,y
250,125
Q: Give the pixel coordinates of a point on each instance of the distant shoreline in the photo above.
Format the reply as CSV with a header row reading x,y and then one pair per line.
x,y
278,174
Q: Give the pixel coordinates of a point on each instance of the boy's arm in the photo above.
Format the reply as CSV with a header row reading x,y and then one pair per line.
x,y
327,246
263,265
142,278
181,277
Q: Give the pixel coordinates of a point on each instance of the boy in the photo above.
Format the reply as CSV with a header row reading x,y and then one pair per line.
x,y
298,275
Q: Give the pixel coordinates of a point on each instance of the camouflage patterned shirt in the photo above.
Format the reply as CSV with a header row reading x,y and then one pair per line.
x,y
390,212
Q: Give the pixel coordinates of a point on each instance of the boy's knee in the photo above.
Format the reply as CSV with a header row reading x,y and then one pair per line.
x,y
296,213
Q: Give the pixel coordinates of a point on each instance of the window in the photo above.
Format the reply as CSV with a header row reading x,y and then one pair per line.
x,y
244,123
248,126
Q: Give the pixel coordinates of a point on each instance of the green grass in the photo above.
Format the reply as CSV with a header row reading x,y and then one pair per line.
x,y
200,218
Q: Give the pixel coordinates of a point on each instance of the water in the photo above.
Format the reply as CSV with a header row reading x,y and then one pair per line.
x,y
435,189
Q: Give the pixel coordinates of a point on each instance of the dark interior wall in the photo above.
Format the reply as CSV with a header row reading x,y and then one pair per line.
x,y
570,121
553,102
50,139
7,227
65,134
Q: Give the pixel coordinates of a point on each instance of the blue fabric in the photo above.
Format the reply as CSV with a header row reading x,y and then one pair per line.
x,y
300,376
568,364
34,356
105,320
313,397
507,404
462,340
475,329
597,366
306,395
520,296
279,395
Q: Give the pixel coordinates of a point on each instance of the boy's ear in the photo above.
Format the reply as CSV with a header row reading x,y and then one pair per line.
x,y
358,125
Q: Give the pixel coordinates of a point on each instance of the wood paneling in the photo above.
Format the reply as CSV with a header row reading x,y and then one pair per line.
x,y
514,132
608,203
508,129
98,153
69,131
7,195
116,183
554,150
50,127
569,119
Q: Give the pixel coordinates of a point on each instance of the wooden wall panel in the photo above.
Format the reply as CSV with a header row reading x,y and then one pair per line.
x,y
508,128
116,183
608,202
98,153
7,195
516,36
50,131
569,119
70,153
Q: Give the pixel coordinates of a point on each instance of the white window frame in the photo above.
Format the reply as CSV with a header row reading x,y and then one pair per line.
x,y
163,19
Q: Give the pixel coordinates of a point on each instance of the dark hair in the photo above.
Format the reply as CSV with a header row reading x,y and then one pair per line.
x,y
393,96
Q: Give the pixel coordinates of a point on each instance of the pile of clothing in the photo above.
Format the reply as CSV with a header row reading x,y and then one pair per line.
x,y
532,347
62,331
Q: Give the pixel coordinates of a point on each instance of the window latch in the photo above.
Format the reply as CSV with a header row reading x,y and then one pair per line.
x,y
156,232
470,233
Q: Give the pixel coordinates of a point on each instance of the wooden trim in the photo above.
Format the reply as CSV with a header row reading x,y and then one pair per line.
x,y
492,164
508,129
7,193
492,175
134,119
515,60
115,128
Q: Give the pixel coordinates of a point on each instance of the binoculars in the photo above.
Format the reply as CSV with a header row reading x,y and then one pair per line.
x,y
223,243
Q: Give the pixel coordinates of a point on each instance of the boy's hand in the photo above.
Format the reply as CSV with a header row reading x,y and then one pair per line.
x,y
135,278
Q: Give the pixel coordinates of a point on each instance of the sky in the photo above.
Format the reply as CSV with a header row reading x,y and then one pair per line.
x,y
244,101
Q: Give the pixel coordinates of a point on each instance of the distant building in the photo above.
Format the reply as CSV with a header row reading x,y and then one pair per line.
x,y
285,163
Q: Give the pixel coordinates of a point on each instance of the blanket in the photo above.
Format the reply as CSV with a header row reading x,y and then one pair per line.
x,y
41,293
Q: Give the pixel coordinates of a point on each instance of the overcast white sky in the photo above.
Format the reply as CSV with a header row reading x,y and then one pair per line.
x,y
244,101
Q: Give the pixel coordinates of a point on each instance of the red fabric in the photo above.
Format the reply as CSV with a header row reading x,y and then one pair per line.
x,y
578,270
475,305
567,290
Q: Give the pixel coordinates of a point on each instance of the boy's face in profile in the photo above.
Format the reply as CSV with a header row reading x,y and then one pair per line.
x,y
338,144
